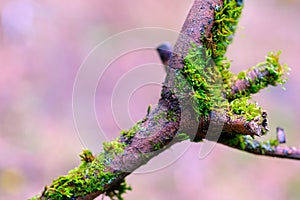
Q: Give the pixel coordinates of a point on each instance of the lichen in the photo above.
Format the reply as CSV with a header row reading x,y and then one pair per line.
x,y
260,147
246,142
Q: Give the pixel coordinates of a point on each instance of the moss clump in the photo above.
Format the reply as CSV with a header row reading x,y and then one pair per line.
x,y
245,108
206,67
114,147
224,27
127,135
117,192
204,77
86,155
276,70
181,137
274,74
157,146
207,71
91,176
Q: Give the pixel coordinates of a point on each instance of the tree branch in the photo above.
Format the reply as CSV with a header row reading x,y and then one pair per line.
x,y
209,24
198,23
266,148
258,77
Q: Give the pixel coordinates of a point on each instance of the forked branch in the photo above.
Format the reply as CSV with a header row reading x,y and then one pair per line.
x,y
199,92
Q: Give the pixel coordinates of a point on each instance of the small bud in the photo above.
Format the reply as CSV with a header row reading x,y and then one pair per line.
x,y
239,2
280,135
165,52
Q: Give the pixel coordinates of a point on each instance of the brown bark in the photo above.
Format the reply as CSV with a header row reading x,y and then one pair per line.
x,y
162,124
197,24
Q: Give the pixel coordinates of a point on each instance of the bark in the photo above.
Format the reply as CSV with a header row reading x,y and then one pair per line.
x,y
175,113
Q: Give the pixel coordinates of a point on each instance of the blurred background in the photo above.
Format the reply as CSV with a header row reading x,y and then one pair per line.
x,y
44,43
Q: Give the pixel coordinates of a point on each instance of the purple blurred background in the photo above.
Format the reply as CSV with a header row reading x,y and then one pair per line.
x,y
43,44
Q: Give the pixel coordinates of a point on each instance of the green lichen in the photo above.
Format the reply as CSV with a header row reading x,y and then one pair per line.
x,y
246,142
257,146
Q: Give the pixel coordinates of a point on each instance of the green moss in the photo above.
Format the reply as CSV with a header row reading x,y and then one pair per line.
x,y
273,142
157,146
243,107
224,27
172,116
181,137
129,134
242,75
149,109
86,156
233,141
117,192
276,75
159,116
90,176
114,147
204,77
206,67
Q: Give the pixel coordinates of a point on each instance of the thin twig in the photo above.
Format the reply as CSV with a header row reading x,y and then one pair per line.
x,y
265,148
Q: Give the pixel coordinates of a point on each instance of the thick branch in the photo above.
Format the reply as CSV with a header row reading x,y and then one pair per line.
x,y
158,130
197,24
140,148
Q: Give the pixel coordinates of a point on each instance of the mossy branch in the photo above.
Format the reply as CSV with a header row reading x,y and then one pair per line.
x,y
266,148
199,91
251,81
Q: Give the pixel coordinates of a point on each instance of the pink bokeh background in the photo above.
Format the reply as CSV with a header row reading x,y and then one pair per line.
x,y
42,46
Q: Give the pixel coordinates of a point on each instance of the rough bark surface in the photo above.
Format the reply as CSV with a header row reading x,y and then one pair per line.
x,y
174,113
